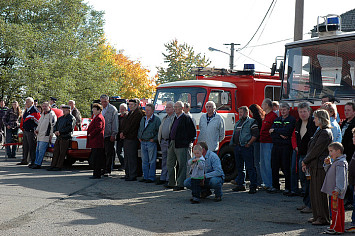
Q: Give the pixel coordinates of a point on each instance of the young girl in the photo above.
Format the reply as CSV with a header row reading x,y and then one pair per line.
x,y
197,167
335,184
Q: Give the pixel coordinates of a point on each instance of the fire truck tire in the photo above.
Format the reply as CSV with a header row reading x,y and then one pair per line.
x,y
69,162
226,155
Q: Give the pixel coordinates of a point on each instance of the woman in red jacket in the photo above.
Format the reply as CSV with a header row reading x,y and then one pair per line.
x,y
95,140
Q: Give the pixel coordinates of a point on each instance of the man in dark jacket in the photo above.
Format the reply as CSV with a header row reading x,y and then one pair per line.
x,y
182,133
63,130
349,147
281,133
3,110
76,113
29,124
129,134
305,129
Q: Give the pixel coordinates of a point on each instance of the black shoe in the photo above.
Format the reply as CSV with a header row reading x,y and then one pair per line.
x,y
36,167
205,194
160,182
177,188
148,181
31,165
123,177
286,192
142,180
238,189
56,169
252,190
107,174
273,190
95,177
168,186
131,179
217,199
22,163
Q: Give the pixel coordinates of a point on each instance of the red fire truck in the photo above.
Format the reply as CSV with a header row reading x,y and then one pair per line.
x,y
229,90
320,66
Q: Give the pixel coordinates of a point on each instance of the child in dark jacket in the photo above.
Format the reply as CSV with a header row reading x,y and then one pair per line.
x,y
335,184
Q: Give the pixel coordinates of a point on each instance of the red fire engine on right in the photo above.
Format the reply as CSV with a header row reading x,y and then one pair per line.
x,y
320,66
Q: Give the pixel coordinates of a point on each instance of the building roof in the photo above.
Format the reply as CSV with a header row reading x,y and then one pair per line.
x,y
347,23
206,83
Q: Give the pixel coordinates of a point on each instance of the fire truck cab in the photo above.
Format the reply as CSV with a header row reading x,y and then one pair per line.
x,y
229,90
320,66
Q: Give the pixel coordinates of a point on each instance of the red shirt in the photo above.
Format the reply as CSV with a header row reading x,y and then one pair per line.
x,y
265,127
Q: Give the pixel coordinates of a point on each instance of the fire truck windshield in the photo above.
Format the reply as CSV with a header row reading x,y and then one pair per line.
x,y
320,68
193,95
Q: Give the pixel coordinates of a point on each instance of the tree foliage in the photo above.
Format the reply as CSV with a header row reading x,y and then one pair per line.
x,y
57,48
180,59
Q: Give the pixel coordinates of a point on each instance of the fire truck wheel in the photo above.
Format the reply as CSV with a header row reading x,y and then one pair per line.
x,y
226,155
69,162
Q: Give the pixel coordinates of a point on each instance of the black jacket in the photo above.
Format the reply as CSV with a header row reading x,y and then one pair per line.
x,y
347,140
283,127
65,125
185,133
302,144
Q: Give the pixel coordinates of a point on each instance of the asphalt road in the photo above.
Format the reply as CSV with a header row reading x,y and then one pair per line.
x,y
39,202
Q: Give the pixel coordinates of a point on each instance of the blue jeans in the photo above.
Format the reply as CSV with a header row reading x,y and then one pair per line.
x,y
265,163
40,151
245,155
11,150
214,183
149,158
294,172
257,162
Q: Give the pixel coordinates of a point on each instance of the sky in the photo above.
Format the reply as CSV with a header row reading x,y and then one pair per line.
x,y
141,27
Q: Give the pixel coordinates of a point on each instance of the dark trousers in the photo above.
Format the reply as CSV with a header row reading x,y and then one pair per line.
x,y
281,157
11,150
196,187
319,200
245,156
109,154
29,147
98,161
304,183
60,151
119,151
130,147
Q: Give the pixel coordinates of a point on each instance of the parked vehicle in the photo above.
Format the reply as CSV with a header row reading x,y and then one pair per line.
x,y
320,66
229,90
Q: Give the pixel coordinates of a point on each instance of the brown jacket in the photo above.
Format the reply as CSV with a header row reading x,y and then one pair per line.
x,y
132,122
318,148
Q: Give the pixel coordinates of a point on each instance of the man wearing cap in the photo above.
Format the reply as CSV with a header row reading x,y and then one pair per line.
x,y
111,129
63,130
52,102
129,134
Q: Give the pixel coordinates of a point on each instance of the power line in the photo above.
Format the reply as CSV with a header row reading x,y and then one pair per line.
x,y
259,26
253,59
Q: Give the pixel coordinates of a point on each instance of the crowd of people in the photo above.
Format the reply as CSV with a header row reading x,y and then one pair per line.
x,y
312,151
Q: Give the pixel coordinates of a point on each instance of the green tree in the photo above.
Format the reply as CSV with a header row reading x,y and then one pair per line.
x,y
53,48
180,59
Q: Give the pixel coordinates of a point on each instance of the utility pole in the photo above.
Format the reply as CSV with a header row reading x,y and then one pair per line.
x,y
298,30
231,56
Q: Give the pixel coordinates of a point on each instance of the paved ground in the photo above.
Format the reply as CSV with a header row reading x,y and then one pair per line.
x,y
39,202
